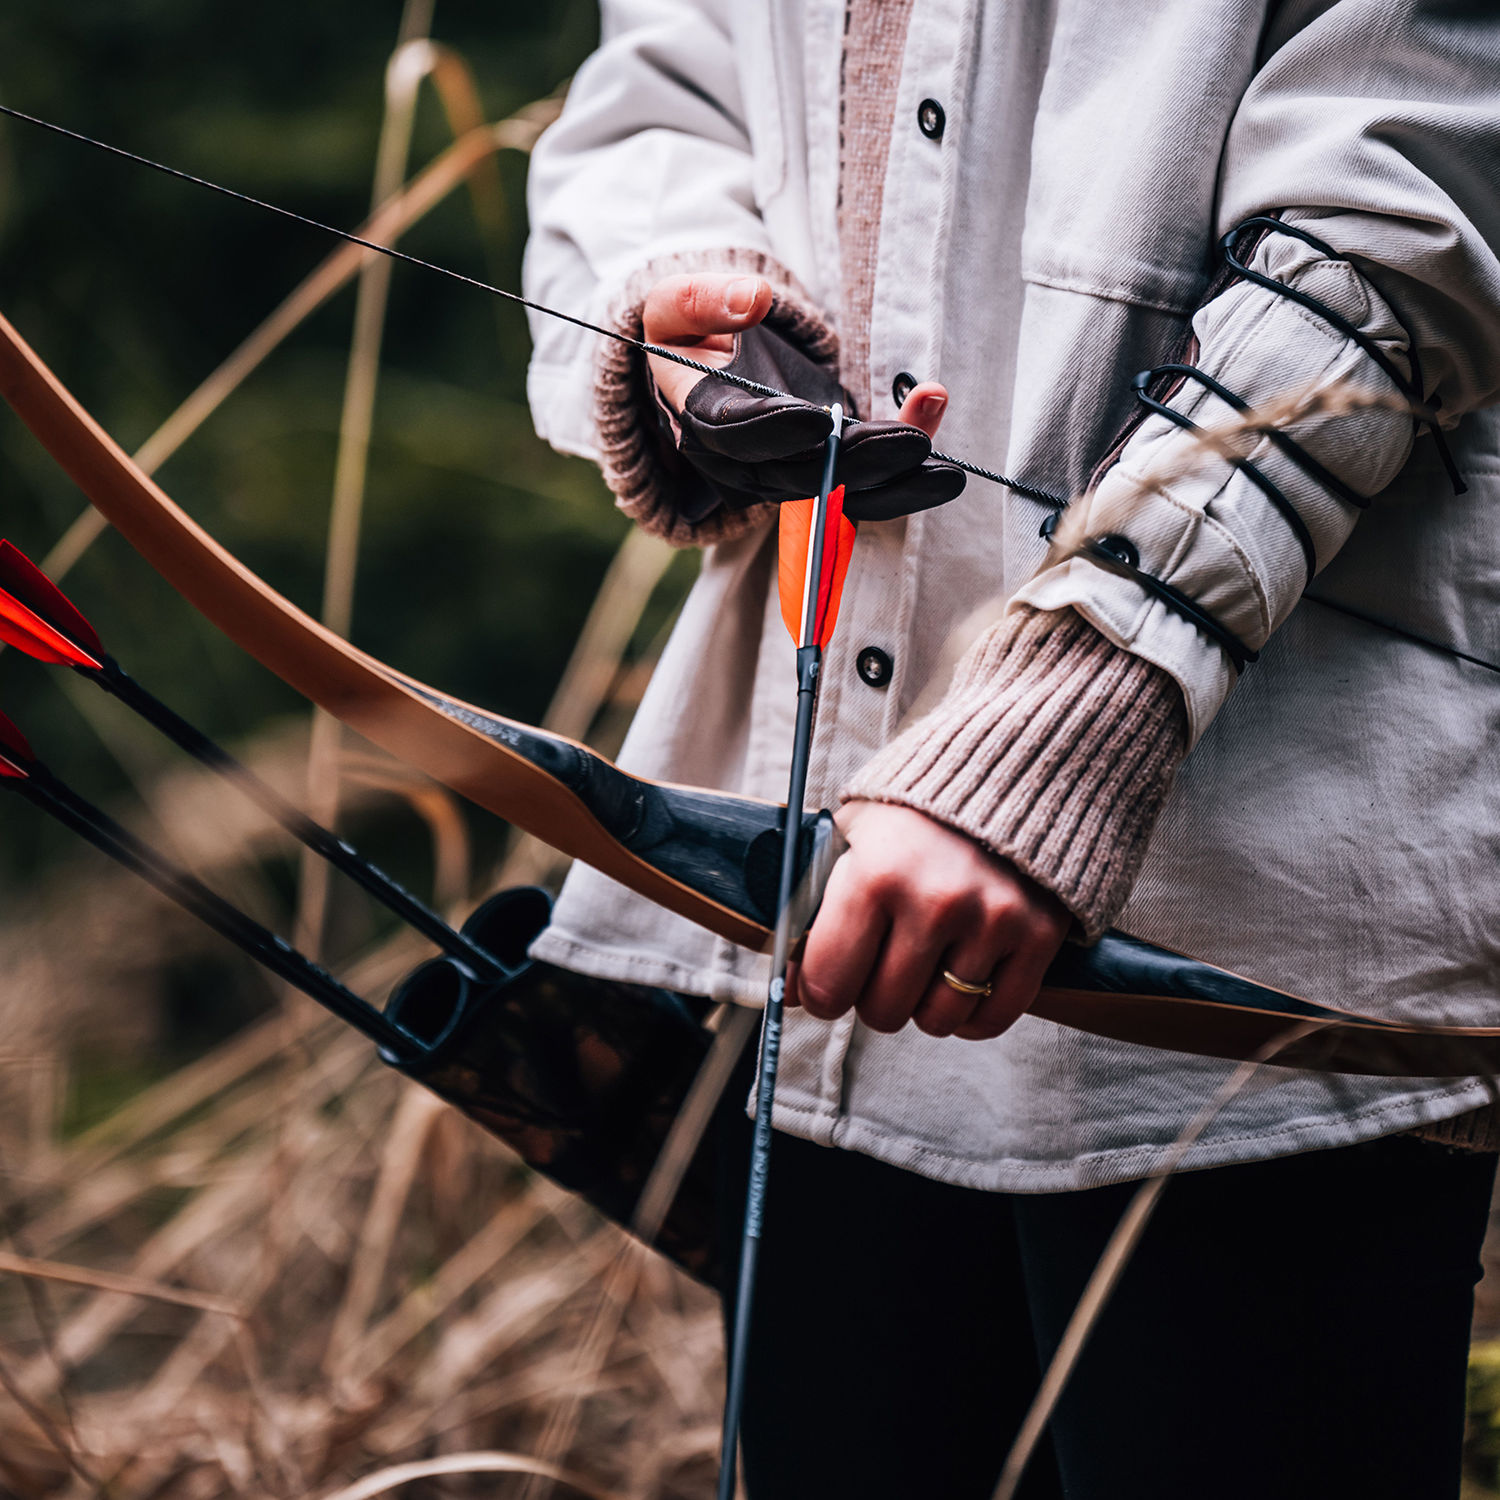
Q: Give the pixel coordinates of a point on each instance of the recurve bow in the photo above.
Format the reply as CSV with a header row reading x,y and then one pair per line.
x,y
706,855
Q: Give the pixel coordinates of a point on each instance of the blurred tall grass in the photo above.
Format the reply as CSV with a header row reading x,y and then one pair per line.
x,y
134,288
236,1256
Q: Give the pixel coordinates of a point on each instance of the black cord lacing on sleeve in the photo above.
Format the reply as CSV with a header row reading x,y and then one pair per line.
x,y
1118,553
1253,472
1426,408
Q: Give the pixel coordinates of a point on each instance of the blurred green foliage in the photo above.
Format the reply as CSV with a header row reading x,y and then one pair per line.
x,y
482,549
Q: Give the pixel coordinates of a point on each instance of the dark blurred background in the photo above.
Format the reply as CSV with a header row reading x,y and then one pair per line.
x,y
481,548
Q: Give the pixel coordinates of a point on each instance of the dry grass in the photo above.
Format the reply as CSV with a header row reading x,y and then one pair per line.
x,y
281,1268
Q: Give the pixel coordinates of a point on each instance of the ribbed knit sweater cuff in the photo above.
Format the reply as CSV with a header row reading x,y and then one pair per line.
x,y
639,462
1478,1131
1054,748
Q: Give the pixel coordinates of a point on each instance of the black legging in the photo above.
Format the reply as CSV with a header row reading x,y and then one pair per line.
x,y
1295,1329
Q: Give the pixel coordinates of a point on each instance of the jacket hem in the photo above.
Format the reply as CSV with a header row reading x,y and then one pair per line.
x,y
806,1117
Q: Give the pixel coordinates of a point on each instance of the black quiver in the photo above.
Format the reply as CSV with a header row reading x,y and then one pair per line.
x,y
581,1077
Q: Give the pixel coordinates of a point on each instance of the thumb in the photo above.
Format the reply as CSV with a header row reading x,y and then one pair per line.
x,y
682,309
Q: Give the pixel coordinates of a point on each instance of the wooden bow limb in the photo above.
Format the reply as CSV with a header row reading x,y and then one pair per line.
x,y
696,852
667,842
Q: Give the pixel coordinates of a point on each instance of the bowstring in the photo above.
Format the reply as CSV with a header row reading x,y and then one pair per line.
x,y
754,387
1055,503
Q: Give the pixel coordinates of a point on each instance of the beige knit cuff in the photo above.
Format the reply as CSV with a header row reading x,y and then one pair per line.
x,y
1477,1131
636,461
1055,748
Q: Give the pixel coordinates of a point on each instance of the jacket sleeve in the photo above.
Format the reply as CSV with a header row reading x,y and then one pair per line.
x,y
1375,126
648,171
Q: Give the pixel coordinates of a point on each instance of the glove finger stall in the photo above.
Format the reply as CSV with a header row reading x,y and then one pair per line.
x,y
931,485
748,428
875,452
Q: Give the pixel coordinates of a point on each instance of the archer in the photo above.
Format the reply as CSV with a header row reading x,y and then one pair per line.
x,y
991,217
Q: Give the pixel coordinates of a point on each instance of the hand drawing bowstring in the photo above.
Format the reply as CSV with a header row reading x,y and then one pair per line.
x,y
1042,497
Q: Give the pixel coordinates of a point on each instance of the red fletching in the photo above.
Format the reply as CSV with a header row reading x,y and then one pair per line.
x,y
36,616
791,563
16,759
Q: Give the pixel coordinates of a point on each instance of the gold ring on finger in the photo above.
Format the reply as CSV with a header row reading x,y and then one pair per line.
x,y
964,987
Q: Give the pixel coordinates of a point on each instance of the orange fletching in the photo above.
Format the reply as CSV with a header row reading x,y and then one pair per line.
x,y
791,563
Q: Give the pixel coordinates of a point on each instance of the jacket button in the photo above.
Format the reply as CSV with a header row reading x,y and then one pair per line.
x,y
902,386
874,667
931,119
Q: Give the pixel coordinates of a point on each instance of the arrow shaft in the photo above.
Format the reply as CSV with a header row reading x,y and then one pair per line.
x,y
54,797
809,664
322,841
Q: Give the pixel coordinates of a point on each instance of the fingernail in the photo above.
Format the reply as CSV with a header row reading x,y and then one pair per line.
x,y
932,406
740,295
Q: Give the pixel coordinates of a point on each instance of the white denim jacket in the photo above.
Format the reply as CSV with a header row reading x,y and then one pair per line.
x,y
1335,829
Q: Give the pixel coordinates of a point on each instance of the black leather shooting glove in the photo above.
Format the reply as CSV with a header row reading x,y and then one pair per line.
x,y
750,449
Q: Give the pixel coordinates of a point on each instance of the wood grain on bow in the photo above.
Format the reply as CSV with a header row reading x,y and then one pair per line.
x,y
705,855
